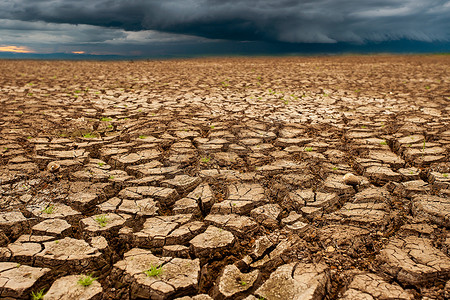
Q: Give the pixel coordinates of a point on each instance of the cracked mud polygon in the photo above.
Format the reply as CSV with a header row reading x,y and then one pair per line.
x,y
224,178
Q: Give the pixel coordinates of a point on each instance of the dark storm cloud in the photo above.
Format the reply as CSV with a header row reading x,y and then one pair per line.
x,y
308,21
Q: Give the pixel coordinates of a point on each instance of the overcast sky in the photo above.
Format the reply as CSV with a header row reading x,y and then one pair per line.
x,y
139,27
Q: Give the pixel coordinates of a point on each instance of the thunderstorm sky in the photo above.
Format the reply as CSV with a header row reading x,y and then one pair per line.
x,y
196,27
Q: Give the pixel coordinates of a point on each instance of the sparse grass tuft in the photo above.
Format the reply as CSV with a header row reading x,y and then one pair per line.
x,y
49,209
383,143
86,280
102,220
89,136
105,119
153,271
309,149
445,175
38,295
142,136
205,159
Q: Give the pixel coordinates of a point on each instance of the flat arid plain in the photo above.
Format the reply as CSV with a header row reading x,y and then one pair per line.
x,y
223,178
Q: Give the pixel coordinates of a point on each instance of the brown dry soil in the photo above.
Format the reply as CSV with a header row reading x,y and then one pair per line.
x,y
225,177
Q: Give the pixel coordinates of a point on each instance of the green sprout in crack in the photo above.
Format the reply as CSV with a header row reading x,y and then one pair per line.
x,y
101,220
49,209
101,164
142,136
205,159
86,280
308,149
383,143
111,177
364,126
445,175
106,119
153,271
38,295
243,283
89,136
335,168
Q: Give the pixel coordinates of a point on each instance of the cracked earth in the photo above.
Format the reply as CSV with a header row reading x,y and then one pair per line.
x,y
236,178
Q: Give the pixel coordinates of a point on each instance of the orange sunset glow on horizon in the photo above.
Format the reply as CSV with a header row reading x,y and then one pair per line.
x,y
15,49
78,52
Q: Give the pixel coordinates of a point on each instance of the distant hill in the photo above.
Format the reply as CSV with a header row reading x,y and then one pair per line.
x,y
62,56
233,48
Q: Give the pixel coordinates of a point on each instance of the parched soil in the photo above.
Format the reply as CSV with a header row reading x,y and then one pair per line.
x,y
224,178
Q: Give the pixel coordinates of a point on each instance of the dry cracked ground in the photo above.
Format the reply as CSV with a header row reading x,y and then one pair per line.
x,y
224,178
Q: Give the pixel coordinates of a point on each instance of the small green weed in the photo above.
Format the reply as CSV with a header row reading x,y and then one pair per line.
x,y
153,271
383,143
243,283
334,168
364,127
142,136
105,119
86,280
205,159
445,175
101,164
89,136
101,220
38,295
49,209
309,149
